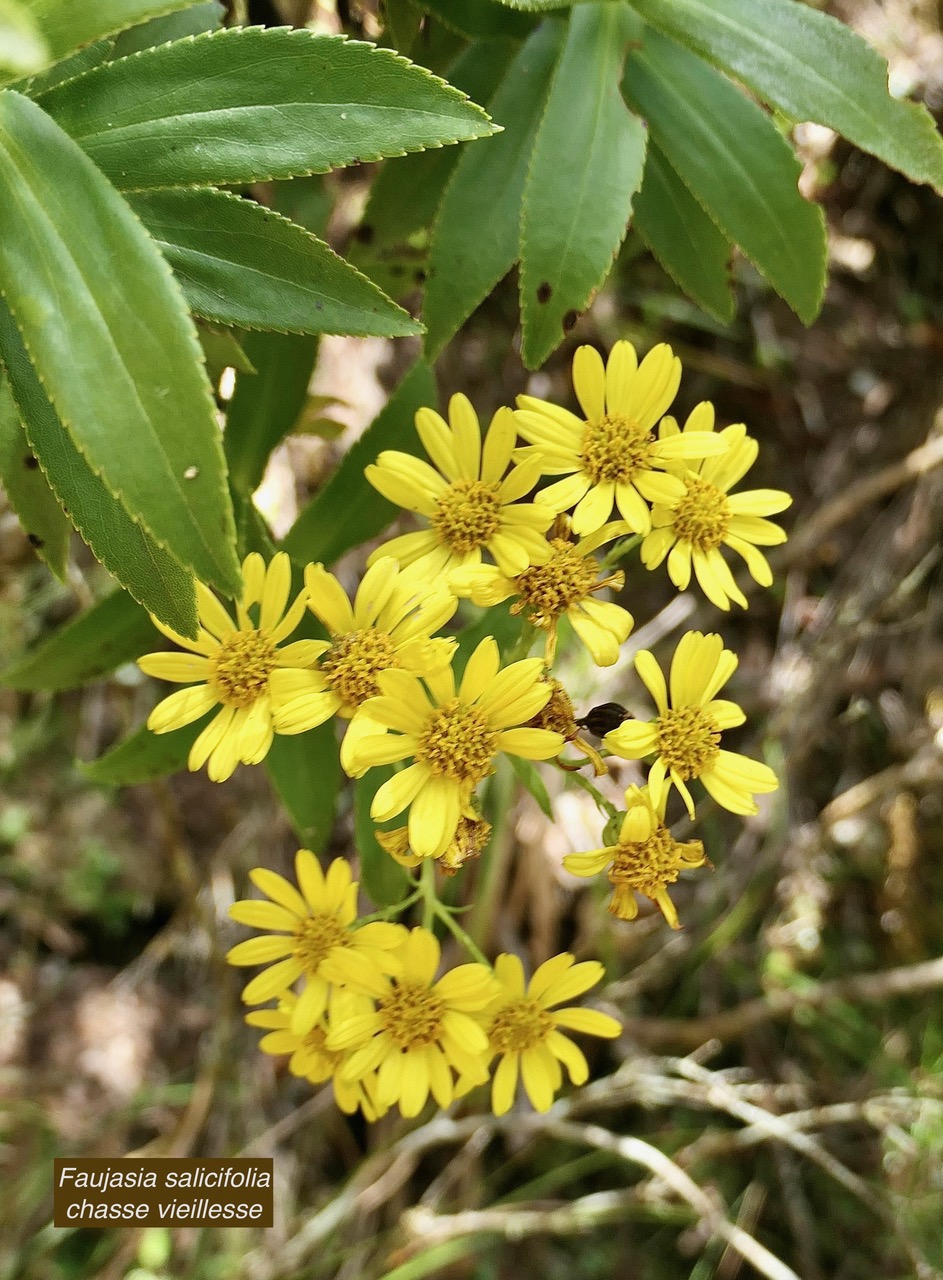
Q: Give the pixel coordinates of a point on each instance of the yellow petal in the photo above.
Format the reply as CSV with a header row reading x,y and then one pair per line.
x,y
181,708
589,382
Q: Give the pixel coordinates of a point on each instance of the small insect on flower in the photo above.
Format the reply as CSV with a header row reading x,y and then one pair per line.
x,y
311,935
240,666
691,529
646,859
526,1031
611,455
685,735
471,505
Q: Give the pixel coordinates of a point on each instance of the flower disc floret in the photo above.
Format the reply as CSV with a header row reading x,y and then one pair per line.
x,y
611,456
469,498
685,734
452,737
238,665
411,1014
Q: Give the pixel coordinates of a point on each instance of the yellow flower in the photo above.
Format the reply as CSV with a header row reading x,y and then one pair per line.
x,y
685,735
646,859
419,1030
452,739
308,1055
525,1029
239,667
312,935
470,838
470,504
691,529
611,455
564,586
390,625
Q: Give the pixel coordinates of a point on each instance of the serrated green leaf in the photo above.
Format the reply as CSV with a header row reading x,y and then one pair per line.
x,y
69,24
117,353
247,104
690,247
529,777
266,404
384,881
407,191
28,490
222,350
736,164
811,67
23,50
349,511
241,264
75,65
475,241
479,19
587,165
192,21
113,631
252,531
306,772
144,757
152,576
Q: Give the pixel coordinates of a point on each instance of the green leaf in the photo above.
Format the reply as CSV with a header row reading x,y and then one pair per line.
x,y
811,67
475,241
241,264
683,238
384,881
144,757
529,777
22,47
113,631
28,489
75,65
106,328
406,192
152,576
736,164
69,24
349,511
245,104
265,405
222,350
252,531
587,165
479,18
401,22
192,21
306,772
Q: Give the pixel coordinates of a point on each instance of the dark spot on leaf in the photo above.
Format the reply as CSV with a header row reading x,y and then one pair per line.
x,y
30,463
319,306
420,276
544,292
364,233
35,541
569,320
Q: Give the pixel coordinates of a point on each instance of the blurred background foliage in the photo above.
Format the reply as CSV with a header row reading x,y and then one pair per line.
x,y
807,1113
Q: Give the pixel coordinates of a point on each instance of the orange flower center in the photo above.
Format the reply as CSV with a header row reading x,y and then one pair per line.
x,y
688,740
550,589
649,865
518,1026
315,938
412,1015
616,449
702,517
467,516
354,661
458,743
241,668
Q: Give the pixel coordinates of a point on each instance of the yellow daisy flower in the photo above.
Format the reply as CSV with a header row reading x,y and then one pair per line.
x,y
691,529
470,504
452,739
646,859
236,665
390,624
470,838
564,586
685,735
610,455
420,1030
308,1055
309,936
525,1030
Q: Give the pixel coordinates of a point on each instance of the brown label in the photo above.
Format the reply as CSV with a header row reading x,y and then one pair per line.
x,y
128,1192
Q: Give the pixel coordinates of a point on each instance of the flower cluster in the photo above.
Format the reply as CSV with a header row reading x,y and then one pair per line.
x,y
542,510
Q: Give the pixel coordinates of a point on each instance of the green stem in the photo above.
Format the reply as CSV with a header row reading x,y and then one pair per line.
x,y
458,932
433,909
620,549
396,909
606,806
525,641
